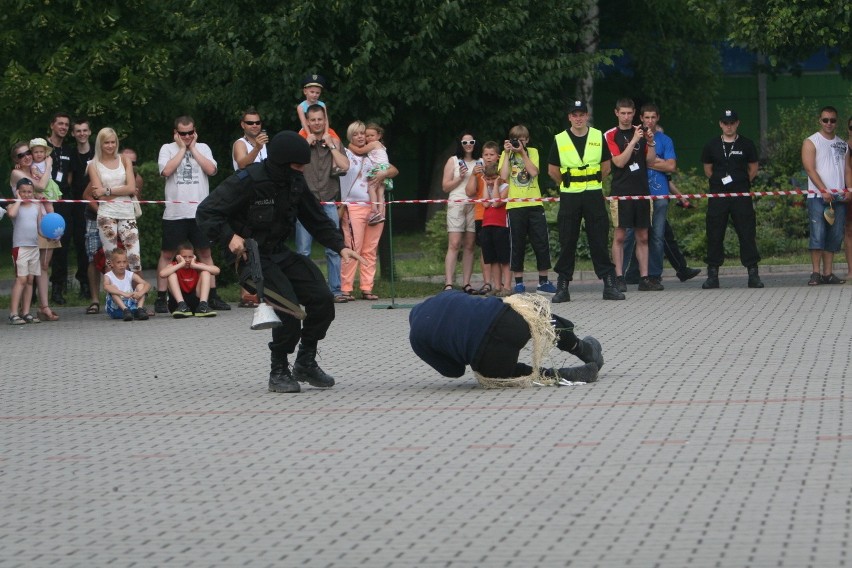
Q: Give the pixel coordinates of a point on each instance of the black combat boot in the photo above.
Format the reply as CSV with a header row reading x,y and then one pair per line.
x,y
306,370
712,278
610,291
280,379
56,296
587,373
688,274
754,280
562,294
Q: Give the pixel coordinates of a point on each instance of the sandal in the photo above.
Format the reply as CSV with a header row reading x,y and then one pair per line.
x,y
832,279
816,279
30,319
347,296
468,289
46,314
16,320
448,287
93,309
368,295
486,290
340,299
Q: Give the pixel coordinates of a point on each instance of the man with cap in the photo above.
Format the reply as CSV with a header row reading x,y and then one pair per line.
x,y
577,164
263,202
730,163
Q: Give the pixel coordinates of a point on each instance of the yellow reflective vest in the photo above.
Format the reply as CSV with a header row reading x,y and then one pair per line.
x,y
586,172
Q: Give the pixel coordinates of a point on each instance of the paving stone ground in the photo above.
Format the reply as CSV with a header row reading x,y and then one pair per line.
x,y
718,435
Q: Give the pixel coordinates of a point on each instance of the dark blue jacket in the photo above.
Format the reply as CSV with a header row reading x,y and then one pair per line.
x,y
448,329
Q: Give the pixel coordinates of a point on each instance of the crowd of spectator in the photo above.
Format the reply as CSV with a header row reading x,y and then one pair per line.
x,y
640,158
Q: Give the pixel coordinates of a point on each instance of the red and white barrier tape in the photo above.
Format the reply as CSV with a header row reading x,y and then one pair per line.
x,y
514,200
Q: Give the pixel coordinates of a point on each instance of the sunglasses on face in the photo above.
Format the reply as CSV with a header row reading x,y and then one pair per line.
x,y
253,122
22,154
187,133
829,120
468,142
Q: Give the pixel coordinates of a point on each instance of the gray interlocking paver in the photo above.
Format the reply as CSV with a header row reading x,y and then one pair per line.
x,y
717,436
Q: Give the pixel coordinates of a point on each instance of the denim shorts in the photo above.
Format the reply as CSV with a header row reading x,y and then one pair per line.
x,y
824,236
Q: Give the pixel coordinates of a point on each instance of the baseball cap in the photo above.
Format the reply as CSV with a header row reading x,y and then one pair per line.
x,y
729,116
577,106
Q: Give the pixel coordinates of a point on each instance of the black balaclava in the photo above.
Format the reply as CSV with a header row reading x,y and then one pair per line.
x,y
286,148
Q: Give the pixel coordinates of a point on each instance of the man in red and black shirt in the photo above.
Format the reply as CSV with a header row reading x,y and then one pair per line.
x,y
632,147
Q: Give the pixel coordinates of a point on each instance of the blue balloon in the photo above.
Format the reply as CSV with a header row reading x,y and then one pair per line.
x,y
52,226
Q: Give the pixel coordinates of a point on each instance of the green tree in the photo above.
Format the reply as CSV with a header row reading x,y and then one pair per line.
x,y
671,57
786,32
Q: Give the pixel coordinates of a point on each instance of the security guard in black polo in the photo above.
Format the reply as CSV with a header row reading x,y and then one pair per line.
x,y
263,202
578,162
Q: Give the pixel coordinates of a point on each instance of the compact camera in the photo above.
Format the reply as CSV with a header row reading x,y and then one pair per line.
x,y
515,143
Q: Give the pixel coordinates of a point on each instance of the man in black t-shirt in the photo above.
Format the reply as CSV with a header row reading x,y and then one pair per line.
x,y
632,147
61,154
79,179
730,163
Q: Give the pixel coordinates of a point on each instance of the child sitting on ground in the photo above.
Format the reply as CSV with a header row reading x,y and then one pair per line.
x,y
125,290
26,216
189,284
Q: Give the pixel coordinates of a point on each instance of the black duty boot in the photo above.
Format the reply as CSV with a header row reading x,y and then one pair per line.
x,y
56,295
712,278
588,350
754,280
610,291
306,370
688,274
562,294
280,379
587,373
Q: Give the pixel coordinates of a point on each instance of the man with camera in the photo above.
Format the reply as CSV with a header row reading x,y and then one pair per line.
x,y
577,164
632,148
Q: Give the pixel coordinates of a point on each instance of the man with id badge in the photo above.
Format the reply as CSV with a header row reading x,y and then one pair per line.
x,y
730,163
632,147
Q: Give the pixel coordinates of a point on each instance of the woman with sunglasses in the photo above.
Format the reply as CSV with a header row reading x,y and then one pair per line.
x,y
22,156
461,228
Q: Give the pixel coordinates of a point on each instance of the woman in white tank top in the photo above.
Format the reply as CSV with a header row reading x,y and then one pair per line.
x,y
115,189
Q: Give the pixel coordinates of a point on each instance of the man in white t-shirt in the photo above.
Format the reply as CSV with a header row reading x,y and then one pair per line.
x,y
187,165
251,147
824,160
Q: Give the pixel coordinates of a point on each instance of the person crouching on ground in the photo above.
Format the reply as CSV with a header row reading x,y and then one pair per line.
x,y
189,284
125,290
452,330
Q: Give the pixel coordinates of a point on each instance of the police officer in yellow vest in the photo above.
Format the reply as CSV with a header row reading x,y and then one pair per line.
x,y
578,162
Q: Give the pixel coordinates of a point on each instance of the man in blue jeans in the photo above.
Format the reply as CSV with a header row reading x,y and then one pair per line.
x,y
658,184
326,153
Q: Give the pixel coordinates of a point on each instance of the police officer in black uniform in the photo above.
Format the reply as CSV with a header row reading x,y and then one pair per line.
x,y
263,202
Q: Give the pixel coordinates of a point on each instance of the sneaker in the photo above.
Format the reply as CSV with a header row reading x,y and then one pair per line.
x,y
140,314
519,288
204,311
182,311
161,305
128,315
650,285
546,287
620,284
219,304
